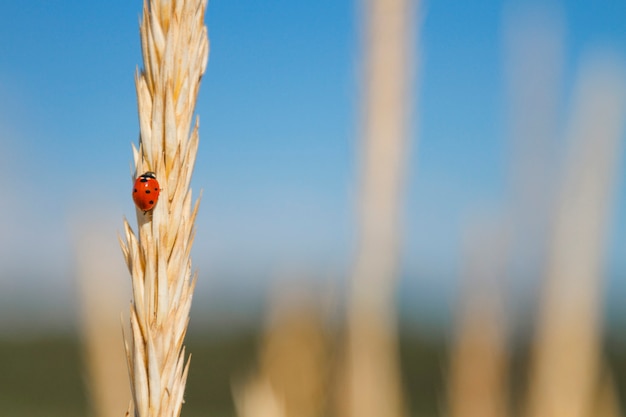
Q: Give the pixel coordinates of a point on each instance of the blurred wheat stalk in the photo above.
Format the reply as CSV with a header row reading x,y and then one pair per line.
x,y
478,380
566,358
565,235
373,382
103,295
175,51
293,375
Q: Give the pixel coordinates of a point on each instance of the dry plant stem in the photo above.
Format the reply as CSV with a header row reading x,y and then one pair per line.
x,y
562,385
103,295
373,371
477,385
175,51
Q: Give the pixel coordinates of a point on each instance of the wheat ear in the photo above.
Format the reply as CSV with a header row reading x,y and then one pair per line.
x,y
175,50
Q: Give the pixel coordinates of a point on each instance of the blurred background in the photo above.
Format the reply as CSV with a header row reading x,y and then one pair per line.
x,y
509,247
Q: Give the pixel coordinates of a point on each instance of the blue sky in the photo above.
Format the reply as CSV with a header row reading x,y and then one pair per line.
x,y
278,109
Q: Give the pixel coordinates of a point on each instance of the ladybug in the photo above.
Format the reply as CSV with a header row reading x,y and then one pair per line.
x,y
146,192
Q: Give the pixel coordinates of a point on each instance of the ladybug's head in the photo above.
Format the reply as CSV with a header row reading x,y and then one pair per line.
x,y
148,174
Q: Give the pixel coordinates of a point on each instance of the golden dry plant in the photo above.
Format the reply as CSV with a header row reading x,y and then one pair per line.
x,y
294,372
477,385
103,294
175,51
293,375
256,398
372,378
570,317
295,352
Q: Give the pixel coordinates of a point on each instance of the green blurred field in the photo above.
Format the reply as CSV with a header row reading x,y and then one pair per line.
x,y
45,378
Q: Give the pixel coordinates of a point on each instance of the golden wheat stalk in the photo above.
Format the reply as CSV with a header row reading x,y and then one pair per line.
x,y
175,51
567,350
373,371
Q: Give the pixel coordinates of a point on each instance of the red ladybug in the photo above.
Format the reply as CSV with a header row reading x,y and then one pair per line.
x,y
146,191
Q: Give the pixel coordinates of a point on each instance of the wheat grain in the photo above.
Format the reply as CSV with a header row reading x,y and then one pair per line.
x,y
175,51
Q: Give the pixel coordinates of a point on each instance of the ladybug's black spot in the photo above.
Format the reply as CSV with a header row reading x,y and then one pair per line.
x,y
156,189
143,179
147,191
134,190
151,202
